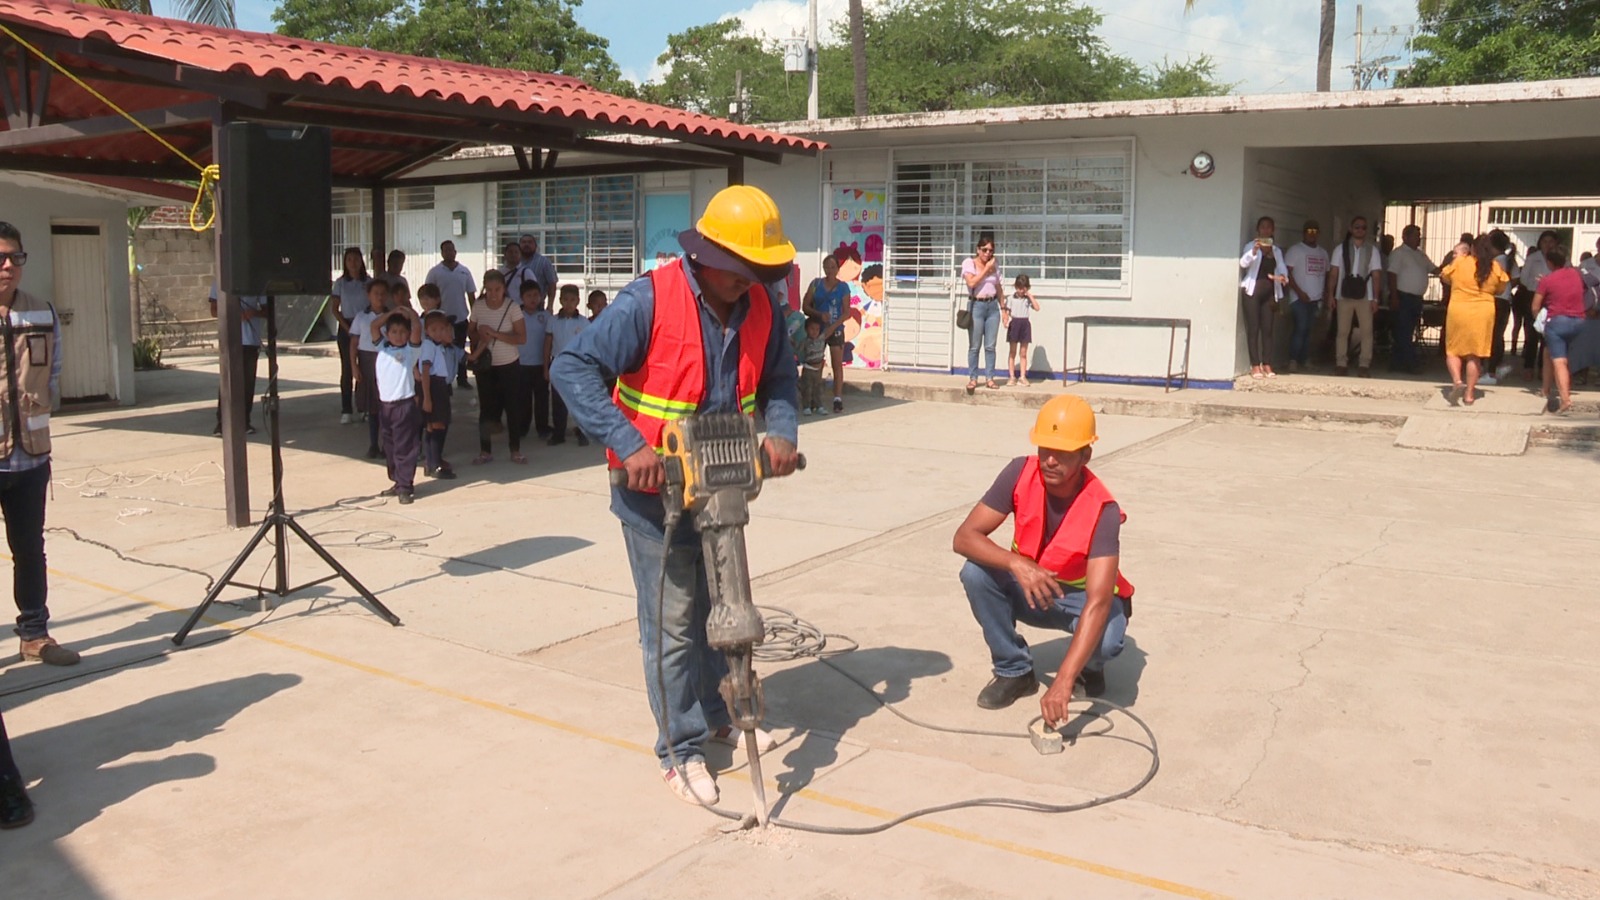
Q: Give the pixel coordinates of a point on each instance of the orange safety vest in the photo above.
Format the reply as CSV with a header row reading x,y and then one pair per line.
x,y
672,381
1067,555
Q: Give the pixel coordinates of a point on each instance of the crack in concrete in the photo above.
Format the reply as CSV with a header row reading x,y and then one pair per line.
x,y
1277,715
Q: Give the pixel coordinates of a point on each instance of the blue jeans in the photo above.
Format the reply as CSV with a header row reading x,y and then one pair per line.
x,y
999,604
985,331
1300,341
1407,313
684,692
1559,332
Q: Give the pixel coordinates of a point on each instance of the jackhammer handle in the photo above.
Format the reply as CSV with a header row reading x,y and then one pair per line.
x,y
799,464
619,477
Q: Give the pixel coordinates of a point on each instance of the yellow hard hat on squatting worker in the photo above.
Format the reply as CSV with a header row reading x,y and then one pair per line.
x,y
1061,570
662,338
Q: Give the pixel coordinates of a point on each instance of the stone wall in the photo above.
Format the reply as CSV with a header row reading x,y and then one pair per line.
x,y
175,272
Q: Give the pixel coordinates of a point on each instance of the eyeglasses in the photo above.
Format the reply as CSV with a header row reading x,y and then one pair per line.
x,y
985,249
17,258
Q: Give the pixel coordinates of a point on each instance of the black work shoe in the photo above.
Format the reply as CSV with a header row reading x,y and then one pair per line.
x,y
373,453
388,492
16,810
1005,690
407,499
1093,681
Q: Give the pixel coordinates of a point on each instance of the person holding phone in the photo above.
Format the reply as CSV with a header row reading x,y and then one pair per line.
x,y
1265,274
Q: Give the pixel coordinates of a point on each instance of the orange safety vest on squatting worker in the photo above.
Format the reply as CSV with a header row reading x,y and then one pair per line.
x,y
1067,556
672,382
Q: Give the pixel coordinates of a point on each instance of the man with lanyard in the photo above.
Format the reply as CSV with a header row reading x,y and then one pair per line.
x,y
699,335
537,266
32,381
1061,572
250,309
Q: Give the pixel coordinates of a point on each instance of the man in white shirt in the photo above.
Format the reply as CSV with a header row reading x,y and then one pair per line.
x,y
1410,268
457,290
1308,281
1354,269
538,267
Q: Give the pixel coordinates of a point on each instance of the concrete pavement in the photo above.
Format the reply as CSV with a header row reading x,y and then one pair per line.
x,y
1362,663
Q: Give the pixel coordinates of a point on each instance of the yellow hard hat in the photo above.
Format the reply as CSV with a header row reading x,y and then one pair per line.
x,y
745,221
1065,423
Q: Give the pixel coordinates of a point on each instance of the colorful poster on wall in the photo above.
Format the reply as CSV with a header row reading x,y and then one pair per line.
x,y
664,216
855,239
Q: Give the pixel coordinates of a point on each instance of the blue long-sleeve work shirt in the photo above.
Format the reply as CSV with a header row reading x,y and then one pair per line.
x,y
617,342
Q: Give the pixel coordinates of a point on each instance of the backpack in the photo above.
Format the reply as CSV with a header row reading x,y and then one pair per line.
x,y
1590,271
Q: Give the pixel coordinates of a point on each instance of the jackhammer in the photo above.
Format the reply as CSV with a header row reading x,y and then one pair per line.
x,y
714,468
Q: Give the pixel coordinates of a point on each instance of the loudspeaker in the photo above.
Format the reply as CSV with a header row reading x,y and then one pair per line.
x,y
277,231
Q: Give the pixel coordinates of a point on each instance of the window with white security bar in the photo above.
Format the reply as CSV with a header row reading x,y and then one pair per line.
x,y
1062,218
1544,215
586,226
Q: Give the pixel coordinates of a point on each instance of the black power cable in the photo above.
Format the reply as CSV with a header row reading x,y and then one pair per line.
x,y
795,638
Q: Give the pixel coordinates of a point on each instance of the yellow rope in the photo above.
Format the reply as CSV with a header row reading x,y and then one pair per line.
x,y
208,174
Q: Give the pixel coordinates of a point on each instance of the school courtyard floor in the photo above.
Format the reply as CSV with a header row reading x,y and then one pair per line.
x,y
1370,668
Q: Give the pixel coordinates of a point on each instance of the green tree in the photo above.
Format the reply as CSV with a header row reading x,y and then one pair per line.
x,y
1487,41
534,35
931,55
706,62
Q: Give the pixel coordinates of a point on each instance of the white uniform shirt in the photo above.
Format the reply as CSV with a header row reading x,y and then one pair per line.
x,y
397,368
361,327
352,294
1308,265
537,325
455,287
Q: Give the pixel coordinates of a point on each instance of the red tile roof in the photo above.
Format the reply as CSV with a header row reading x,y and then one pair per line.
x,y
275,57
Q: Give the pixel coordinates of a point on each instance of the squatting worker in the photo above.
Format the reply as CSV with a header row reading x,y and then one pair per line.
x,y
1061,571
32,371
701,335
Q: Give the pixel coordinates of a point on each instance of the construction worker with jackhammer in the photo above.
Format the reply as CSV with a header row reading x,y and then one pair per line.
x,y
1061,571
699,335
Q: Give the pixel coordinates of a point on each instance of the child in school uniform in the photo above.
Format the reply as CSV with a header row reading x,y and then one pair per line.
x,y
436,366
429,299
398,337
530,358
1019,330
566,325
364,356
597,303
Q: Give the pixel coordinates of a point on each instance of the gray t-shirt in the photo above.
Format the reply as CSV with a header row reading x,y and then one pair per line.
x,y
1107,540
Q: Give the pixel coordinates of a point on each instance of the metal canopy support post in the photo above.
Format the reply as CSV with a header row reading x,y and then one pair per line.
x,y
230,365
736,171
380,238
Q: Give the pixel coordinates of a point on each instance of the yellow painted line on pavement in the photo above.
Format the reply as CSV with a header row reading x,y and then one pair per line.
x,y
1083,865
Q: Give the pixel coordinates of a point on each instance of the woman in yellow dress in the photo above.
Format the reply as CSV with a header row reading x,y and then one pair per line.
x,y
1474,279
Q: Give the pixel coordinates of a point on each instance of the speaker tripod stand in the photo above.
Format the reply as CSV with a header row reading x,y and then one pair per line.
x,y
278,522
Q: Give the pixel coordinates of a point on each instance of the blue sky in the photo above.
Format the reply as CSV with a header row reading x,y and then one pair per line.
x,y
1265,45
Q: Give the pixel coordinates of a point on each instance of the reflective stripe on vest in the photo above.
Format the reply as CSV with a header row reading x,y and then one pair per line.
x,y
671,383
1067,555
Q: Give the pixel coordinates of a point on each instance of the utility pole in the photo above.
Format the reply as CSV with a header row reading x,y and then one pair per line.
x,y
1357,69
736,108
812,103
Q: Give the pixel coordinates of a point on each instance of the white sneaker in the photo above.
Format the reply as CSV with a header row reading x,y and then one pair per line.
x,y
1489,380
694,784
1501,373
344,419
733,737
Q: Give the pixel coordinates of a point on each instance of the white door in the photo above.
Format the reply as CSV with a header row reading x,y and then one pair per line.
x,y
919,296
83,303
412,233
